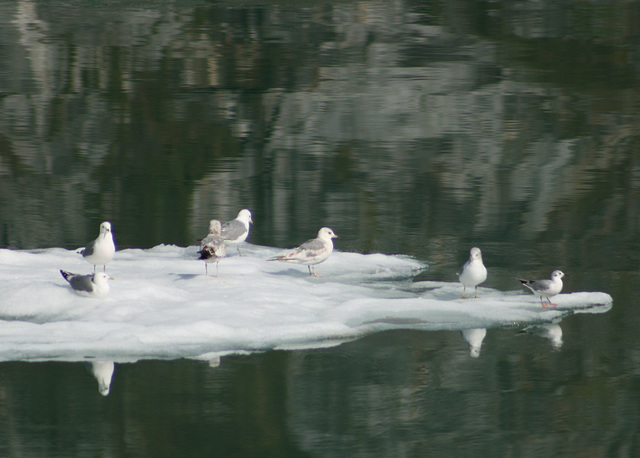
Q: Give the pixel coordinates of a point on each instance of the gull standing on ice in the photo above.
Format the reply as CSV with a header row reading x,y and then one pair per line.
x,y
473,271
88,285
101,250
236,231
546,288
212,247
312,251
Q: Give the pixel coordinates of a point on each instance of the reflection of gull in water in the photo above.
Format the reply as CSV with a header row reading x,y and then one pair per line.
x,y
553,332
236,231
101,250
212,247
312,251
474,338
103,372
88,285
473,271
546,288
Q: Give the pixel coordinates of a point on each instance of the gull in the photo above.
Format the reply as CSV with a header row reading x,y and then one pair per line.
x,y
101,250
473,271
236,231
312,251
212,247
88,285
545,288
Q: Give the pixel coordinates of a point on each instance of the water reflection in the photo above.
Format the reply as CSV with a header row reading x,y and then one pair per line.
x,y
551,331
474,337
103,372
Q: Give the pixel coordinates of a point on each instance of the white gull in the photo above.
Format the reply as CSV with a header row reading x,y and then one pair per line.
x,y
473,271
236,231
88,285
101,250
312,251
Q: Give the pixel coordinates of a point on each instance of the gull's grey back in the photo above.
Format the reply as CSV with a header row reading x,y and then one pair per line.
x,y
231,230
81,283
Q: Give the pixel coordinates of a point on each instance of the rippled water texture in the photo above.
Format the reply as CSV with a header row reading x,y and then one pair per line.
x,y
408,127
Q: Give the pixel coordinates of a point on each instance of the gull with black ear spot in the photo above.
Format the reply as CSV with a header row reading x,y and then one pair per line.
x,y
546,288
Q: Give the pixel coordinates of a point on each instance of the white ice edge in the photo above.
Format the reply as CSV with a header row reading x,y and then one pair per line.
x,y
162,306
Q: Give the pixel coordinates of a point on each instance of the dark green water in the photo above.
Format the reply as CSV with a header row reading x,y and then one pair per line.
x,y
421,128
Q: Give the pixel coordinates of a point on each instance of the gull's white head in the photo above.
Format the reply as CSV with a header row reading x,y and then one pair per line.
x,y
557,275
475,253
326,233
105,227
215,227
245,216
101,278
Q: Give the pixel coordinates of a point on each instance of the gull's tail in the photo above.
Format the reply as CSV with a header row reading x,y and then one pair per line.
x,y
66,275
526,283
207,253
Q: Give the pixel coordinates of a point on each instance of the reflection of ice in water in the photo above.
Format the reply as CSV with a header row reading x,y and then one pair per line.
x,y
103,372
551,331
474,338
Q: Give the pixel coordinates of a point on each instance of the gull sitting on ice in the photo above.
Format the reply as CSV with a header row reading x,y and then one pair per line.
x,y
312,251
236,231
88,285
546,288
101,250
473,271
212,247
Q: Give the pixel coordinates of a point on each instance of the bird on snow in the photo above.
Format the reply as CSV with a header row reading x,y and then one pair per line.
x,y
473,271
236,231
101,250
545,288
88,285
212,247
312,251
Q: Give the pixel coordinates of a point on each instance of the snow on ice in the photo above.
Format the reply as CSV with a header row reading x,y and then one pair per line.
x,y
162,306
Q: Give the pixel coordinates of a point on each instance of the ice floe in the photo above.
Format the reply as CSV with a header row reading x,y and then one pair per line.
x,y
162,306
